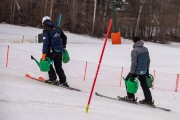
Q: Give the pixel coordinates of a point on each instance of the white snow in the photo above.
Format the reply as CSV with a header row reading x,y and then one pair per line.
x,y
24,99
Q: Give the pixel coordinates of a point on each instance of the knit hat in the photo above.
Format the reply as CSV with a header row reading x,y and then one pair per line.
x,y
135,39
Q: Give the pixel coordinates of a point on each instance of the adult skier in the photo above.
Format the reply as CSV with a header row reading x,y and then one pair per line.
x,y
54,43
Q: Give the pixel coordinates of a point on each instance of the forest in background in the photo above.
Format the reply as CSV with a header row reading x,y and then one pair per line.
x,y
153,20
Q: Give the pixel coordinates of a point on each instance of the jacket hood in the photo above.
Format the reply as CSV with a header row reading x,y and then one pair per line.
x,y
138,44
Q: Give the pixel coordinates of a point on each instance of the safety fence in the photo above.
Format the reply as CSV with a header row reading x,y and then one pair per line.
x,y
16,59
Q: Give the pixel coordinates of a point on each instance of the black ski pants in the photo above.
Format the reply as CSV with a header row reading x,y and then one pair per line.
x,y
56,58
145,88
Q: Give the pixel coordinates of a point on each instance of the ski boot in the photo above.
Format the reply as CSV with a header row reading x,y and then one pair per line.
x,y
131,100
53,82
147,102
64,84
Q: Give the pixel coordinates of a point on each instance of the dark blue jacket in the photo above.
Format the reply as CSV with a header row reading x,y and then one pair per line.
x,y
54,39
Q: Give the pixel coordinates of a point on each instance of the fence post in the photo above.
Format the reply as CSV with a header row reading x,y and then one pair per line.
x,y
122,70
7,56
177,82
85,71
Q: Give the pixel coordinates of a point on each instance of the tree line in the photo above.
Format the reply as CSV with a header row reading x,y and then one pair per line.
x,y
152,20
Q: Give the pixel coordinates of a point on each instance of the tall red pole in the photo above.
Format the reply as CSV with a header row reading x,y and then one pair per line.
x,y
97,71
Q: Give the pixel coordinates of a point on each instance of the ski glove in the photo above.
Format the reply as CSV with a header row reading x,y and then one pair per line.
x,y
147,73
43,56
64,46
132,77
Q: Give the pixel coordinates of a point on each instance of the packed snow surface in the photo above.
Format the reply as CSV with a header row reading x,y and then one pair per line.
x,y
25,99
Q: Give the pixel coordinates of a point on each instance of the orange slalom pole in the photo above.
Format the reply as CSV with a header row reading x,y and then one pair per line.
x,y
97,71
7,56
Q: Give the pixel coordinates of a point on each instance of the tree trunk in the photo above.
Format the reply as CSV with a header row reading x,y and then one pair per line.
x,y
74,15
94,16
45,7
138,19
51,8
104,18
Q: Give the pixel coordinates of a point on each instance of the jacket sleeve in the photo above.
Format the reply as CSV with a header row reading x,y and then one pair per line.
x,y
148,61
45,42
134,60
64,39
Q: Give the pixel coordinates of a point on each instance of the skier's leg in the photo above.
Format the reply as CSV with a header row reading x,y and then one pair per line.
x,y
130,95
58,67
145,88
51,73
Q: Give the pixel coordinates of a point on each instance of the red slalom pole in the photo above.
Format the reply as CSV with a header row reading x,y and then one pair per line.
x,y
121,76
97,71
177,82
85,71
7,56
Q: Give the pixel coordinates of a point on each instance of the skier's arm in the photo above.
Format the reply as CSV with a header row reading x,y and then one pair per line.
x,y
45,43
64,39
148,62
133,61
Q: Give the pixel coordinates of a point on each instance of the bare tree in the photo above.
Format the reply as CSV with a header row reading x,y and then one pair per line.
x,y
51,8
155,20
138,18
94,16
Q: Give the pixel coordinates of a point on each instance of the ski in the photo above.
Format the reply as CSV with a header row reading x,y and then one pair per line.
x,y
71,88
41,79
28,76
137,103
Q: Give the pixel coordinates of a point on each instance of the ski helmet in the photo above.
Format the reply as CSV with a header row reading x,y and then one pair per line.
x,y
45,18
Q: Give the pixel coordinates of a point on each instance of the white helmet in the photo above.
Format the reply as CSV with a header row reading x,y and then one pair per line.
x,y
45,18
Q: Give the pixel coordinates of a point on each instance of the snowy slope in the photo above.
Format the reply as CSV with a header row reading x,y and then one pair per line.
x,y
25,99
